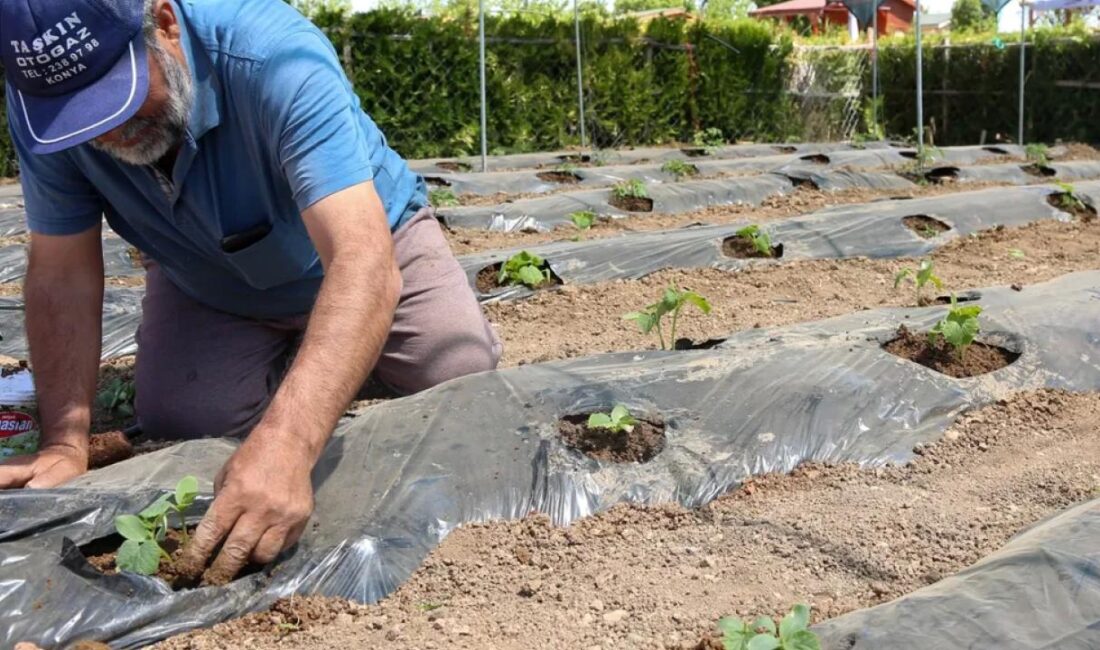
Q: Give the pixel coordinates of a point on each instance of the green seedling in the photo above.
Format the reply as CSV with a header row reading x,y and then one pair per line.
x,y
117,396
922,276
619,420
566,168
631,189
759,238
442,198
679,169
959,327
141,552
1068,199
1037,153
672,302
709,139
583,220
1017,253
792,633
524,268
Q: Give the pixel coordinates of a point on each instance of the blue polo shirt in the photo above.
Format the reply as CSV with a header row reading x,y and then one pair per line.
x,y
275,128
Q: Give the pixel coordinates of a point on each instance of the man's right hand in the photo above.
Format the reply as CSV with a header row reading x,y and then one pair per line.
x,y
50,467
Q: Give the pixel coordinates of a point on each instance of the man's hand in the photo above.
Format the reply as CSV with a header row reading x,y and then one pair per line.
x,y
263,500
50,467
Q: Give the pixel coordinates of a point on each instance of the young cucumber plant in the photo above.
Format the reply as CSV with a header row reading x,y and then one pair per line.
x,y
1069,200
679,169
959,327
117,396
1038,153
922,276
145,531
524,268
583,220
759,238
442,198
709,140
763,634
672,302
619,420
631,189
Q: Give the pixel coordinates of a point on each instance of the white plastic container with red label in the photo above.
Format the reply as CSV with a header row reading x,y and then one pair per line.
x,y
18,413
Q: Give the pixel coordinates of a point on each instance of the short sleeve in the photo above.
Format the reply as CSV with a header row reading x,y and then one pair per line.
x,y
313,119
59,199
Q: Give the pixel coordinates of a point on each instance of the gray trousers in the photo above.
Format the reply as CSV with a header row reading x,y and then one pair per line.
x,y
202,372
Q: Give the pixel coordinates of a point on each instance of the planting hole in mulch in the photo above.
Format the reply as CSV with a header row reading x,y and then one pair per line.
x,y
816,158
966,296
695,153
1039,171
942,174
638,446
565,178
980,358
803,181
997,151
487,279
741,248
782,148
911,154
689,344
1066,202
925,226
454,166
576,159
436,181
632,203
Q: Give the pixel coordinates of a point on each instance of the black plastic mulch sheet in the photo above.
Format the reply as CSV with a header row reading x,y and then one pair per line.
x,y
1041,591
397,479
1018,174
121,317
641,155
116,260
874,229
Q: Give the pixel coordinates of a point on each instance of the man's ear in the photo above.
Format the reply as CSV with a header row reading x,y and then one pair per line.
x,y
168,26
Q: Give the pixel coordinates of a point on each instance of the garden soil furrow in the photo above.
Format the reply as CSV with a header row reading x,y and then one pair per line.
x,y
835,537
578,321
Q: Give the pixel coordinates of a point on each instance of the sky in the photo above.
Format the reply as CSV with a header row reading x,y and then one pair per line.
x,y
1010,15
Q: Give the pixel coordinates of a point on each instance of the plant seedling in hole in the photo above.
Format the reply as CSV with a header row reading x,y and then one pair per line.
x,y
1069,199
524,268
709,140
1017,253
792,632
759,238
144,532
619,420
959,327
679,169
117,396
583,220
631,189
1037,153
442,198
922,276
672,302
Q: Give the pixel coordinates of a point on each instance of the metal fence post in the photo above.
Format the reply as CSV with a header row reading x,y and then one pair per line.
x,y
920,88
580,73
1023,55
481,65
874,68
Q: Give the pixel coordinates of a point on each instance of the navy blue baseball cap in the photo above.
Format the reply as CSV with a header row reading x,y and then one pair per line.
x,y
75,68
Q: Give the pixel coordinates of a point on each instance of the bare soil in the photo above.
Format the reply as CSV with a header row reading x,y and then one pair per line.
x,y
632,203
835,537
563,177
925,226
639,445
108,448
980,358
573,321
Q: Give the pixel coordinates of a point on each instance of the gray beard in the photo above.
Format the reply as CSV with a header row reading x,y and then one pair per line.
x,y
160,133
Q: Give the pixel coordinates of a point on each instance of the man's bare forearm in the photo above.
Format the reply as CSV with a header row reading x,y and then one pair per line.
x,y
64,303
347,329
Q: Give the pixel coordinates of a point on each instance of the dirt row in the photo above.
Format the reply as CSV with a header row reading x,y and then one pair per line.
x,y
574,321
838,538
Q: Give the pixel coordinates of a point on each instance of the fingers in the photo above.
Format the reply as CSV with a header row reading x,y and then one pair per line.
x,y
213,528
60,471
236,551
270,545
16,473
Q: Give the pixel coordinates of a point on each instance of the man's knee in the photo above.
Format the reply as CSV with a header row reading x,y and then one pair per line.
x,y
191,412
442,357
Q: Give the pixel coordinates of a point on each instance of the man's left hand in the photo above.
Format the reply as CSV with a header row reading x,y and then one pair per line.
x,y
263,499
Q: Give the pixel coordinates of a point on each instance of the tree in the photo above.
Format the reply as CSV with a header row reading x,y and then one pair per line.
x,y
971,16
727,8
628,6
311,8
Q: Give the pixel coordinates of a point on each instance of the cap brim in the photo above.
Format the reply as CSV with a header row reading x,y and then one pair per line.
x,y
52,124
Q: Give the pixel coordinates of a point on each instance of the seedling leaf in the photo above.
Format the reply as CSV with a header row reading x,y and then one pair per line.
x,y
138,557
795,621
645,321
763,642
186,491
583,220
802,640
618,421
524,268
132,528
599,421
157,508
764,625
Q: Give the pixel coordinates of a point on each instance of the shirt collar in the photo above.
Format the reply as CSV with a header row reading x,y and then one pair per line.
x,y
206,111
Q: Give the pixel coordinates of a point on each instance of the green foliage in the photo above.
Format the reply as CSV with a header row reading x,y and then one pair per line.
x,y
442,198
628,6
922,276
679,169
1038,153
1069,200
619,420
141,550
117,396
633,188
314,8
672,302
959,327
759,238
792,633
525,268
710,140
972,16
583,220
